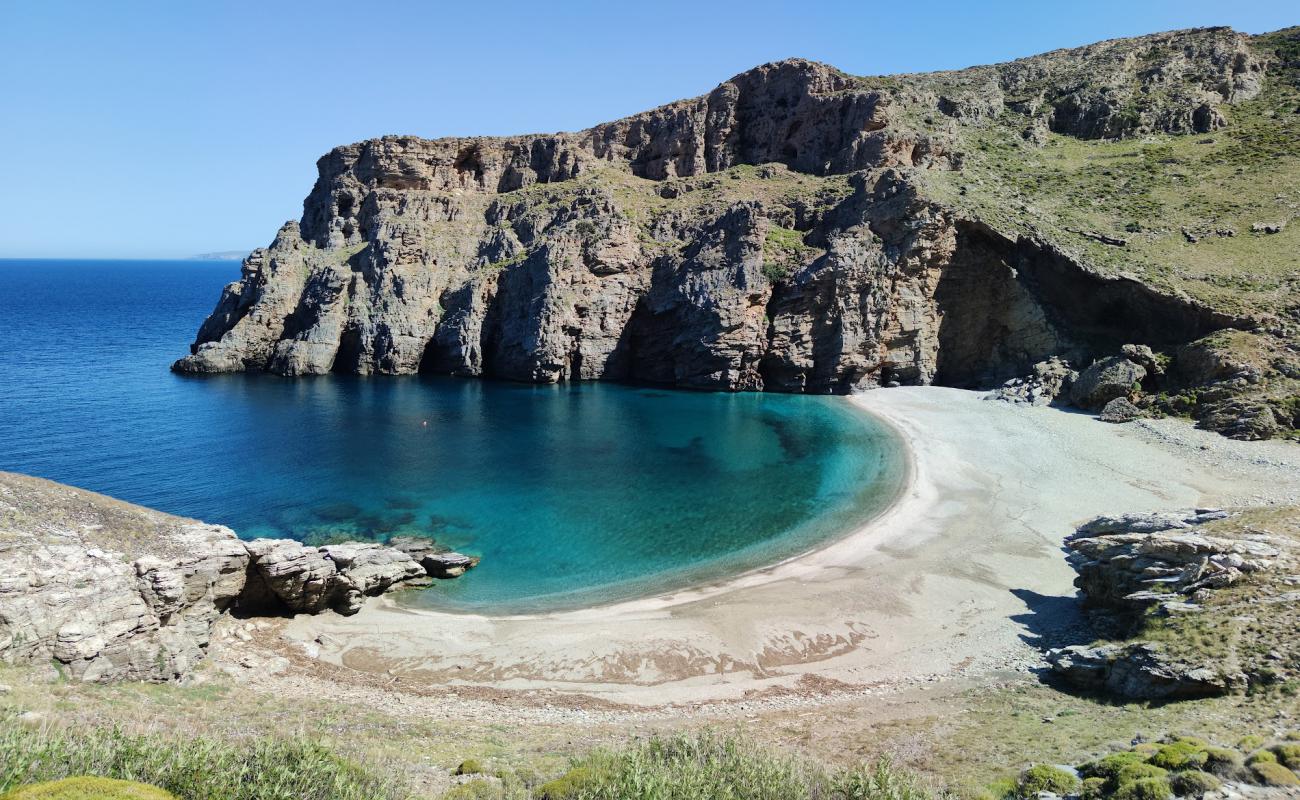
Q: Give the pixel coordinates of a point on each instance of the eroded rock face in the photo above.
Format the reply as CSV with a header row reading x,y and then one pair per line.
x,y
644,249
1167,564
310,580
1138,672
108,591
105,590
1132,561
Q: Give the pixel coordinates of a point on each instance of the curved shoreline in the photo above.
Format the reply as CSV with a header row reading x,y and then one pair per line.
x,y
702,590
959,578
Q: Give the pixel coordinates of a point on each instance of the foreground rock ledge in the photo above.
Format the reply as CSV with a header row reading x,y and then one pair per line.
x,y
106,590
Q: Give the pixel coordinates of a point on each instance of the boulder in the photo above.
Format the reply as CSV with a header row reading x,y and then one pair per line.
x,y
313,579
1046,381
1104,381
448,565
1121,409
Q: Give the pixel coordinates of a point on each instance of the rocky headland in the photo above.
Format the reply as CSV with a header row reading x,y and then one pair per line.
x,y
799,229
105,590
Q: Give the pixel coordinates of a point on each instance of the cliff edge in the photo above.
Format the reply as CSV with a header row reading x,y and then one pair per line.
x,y
799,229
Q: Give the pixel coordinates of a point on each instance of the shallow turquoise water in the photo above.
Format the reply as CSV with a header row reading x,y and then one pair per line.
x,y
571,494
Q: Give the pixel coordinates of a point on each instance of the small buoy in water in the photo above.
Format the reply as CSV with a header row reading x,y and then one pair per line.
x,y
424,423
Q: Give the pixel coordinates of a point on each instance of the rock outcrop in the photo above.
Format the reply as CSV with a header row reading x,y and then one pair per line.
x,y
775,234
1132,561
304,579
109,591
1153,574
1138,671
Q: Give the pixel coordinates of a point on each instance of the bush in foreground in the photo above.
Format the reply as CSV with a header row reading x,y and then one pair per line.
x,y
1046,778
89,788
707,766
190,766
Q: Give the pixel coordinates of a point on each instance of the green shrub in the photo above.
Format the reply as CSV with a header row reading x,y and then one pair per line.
x,y
1045,778
1108,767
1261,757
1222,758
1271,773
1093,789
1193,783
567,786
1180,755
190,766
1137,772
1251,742
705,766
89,788
878,781
1144,789
999,789
469,766
475,790
1288,754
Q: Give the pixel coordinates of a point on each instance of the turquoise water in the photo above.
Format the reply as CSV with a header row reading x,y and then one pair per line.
x,y
572,495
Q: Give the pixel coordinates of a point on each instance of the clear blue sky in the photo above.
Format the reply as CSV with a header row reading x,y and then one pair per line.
x,y
162,129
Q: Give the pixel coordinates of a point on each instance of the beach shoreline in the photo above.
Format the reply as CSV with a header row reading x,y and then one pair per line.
x,y
960,579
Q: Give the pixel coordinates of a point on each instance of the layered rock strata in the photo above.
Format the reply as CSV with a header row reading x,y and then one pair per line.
x,y
106,590
1137,570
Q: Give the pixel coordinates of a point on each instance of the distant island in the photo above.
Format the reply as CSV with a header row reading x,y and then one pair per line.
x,y
221,255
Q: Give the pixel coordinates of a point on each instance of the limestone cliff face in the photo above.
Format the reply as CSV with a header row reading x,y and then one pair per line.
x,y
772,235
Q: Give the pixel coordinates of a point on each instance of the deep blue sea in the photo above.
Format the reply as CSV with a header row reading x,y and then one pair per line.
x,y
571,495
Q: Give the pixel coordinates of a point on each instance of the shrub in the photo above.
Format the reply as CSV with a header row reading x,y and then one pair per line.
x,y
1093,789
469,766
476,790
1108,767
1288,754
1045,778
879,781
1193,783
1144,789
1218,757
706,766
1137,772
567,786
190,766
1271,773
89,788
1180,755
1261,757
1251,742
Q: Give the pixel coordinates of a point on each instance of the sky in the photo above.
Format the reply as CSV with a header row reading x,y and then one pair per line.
x,y
164,129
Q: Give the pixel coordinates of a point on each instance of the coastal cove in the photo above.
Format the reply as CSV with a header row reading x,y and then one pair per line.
x,y
572,495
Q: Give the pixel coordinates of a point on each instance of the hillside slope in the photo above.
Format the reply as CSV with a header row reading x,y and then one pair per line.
x,y
799,229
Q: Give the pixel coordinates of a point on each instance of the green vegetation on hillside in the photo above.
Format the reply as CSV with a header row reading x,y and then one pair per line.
x,y
1158,193
191,767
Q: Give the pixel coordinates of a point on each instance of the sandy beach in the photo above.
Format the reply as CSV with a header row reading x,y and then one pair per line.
x,y
962,578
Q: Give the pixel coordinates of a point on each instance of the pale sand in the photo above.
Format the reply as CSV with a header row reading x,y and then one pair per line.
x,y
956,579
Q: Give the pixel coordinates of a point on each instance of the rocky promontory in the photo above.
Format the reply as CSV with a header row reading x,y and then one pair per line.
x,y
797,229
105,590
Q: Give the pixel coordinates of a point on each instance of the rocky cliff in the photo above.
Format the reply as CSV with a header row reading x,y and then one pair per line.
x,y
797,229
104,590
